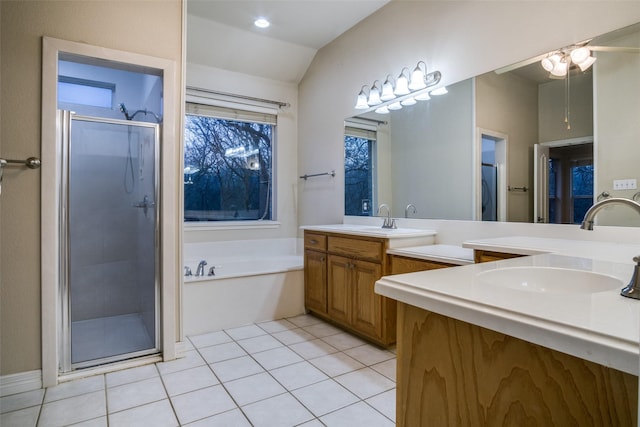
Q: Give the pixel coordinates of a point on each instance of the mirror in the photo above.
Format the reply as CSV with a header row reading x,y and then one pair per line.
x,y
472,153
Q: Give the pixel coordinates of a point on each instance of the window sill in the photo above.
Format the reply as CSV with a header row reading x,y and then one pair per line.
x,y
229,225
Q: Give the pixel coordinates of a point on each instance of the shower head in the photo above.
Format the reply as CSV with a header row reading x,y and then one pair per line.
x,y
124,111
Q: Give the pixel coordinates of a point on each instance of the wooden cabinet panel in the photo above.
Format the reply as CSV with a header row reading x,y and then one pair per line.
x,y
455,373
367,305
357,248
315,241
480,255
400,265
339,289
315,280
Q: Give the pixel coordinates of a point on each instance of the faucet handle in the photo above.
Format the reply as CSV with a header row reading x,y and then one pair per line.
x,y
187,271
632,290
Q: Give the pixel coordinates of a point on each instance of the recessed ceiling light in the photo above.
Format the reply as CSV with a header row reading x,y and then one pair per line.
x,y
261,23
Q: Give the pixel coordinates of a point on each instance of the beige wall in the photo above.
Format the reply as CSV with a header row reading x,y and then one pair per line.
x,y
462,39
146,27
508,104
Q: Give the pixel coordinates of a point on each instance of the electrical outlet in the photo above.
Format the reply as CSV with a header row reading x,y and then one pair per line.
x,y
625,184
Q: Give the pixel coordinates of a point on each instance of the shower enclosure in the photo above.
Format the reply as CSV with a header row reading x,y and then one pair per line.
x,y
109,246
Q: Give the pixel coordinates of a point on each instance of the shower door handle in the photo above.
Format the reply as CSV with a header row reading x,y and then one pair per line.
x,y
145,204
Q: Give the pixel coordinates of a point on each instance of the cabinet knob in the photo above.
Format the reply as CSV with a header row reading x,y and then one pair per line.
x,y
322,259
313,241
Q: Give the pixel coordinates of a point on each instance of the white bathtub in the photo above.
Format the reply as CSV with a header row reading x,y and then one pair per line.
x,y
255,280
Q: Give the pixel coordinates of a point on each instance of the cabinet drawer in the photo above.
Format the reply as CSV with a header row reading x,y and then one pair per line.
x,y
315,241
481,255
356,248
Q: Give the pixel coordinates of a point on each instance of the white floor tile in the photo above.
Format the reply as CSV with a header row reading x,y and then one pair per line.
x,y
386,368
365,383
27,417
156,414
134,394
298,375
220,352
251,389
202,403
261,343
312,423
191,359
293,336
73,410
277,326
369,355
245,332
324,397
233,418
115,379
74,388
322,330
312,349
236,368
304,320
277,358
358,414
385,403
336,364
281,411
211,338
18,401
96,422
189,380
343,341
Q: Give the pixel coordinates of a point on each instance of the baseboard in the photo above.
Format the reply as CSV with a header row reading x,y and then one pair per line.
x,y
20,382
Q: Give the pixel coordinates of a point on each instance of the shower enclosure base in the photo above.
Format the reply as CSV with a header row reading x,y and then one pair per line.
x,y
106,339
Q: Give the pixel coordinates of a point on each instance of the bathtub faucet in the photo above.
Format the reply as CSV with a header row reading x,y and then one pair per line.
x,y
200,270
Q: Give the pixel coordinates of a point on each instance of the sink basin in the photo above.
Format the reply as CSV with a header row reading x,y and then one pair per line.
x,y
550,280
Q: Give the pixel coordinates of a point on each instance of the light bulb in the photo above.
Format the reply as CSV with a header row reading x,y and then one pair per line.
x,y
417,78
261,23
424,96
361,104
402,85
387,91
382,110
395,106
408,101
584,65
374,95
440,91
550,61
560,69
580,54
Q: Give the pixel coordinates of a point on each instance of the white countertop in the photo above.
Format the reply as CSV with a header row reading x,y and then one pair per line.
x,y
398,237
450,254
602,327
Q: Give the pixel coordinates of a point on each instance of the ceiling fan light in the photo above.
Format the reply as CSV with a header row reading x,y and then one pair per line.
x,y
559,69
580,55
549,62
382,110
584,65
374,95
387,91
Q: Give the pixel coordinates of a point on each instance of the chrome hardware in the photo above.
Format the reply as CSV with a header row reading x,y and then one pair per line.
x,y
200,269
212,271
187,271
632,290
590,216
388,221
406,210
145,204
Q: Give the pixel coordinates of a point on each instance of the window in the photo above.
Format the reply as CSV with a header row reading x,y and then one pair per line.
x,y
73,90
359,151
228,164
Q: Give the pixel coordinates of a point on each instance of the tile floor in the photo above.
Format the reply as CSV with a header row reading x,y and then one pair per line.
x,y
298,371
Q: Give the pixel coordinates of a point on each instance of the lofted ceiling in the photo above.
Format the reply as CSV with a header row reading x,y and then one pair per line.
x,y
221,34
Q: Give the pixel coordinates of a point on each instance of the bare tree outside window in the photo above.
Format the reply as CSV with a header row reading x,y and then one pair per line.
x,y
358,176
228,169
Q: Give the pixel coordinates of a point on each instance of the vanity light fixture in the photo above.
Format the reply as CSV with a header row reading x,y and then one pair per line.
x,y
440,91
262,23
406,90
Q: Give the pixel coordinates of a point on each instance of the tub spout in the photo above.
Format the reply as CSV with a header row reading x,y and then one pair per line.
x,y
200,270
212,271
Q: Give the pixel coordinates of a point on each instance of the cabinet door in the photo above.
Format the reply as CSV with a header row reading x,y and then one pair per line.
x,y
315,281
367,305
339,288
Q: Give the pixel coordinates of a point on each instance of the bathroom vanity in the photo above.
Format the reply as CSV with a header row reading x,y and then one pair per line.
x,y
341,266
544,339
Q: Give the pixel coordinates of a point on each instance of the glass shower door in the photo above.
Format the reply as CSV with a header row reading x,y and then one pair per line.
x,y
111,279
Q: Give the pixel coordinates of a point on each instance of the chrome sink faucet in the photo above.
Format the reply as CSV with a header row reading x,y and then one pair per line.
x,y
388,221
200,270
632,290
406,210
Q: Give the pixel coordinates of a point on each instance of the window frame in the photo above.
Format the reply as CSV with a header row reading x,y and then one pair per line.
x,y
366,131
195,96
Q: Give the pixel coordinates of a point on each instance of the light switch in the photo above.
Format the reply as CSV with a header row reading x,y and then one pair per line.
x,y
625,184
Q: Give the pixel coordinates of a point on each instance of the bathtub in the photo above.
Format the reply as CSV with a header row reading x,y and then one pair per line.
x,y
254,281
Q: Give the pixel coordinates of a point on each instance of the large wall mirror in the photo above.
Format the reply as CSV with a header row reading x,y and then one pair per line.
x,y
517,144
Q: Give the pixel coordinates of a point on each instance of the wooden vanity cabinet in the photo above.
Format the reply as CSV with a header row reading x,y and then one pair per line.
x,y
480,255
401,264
343,292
